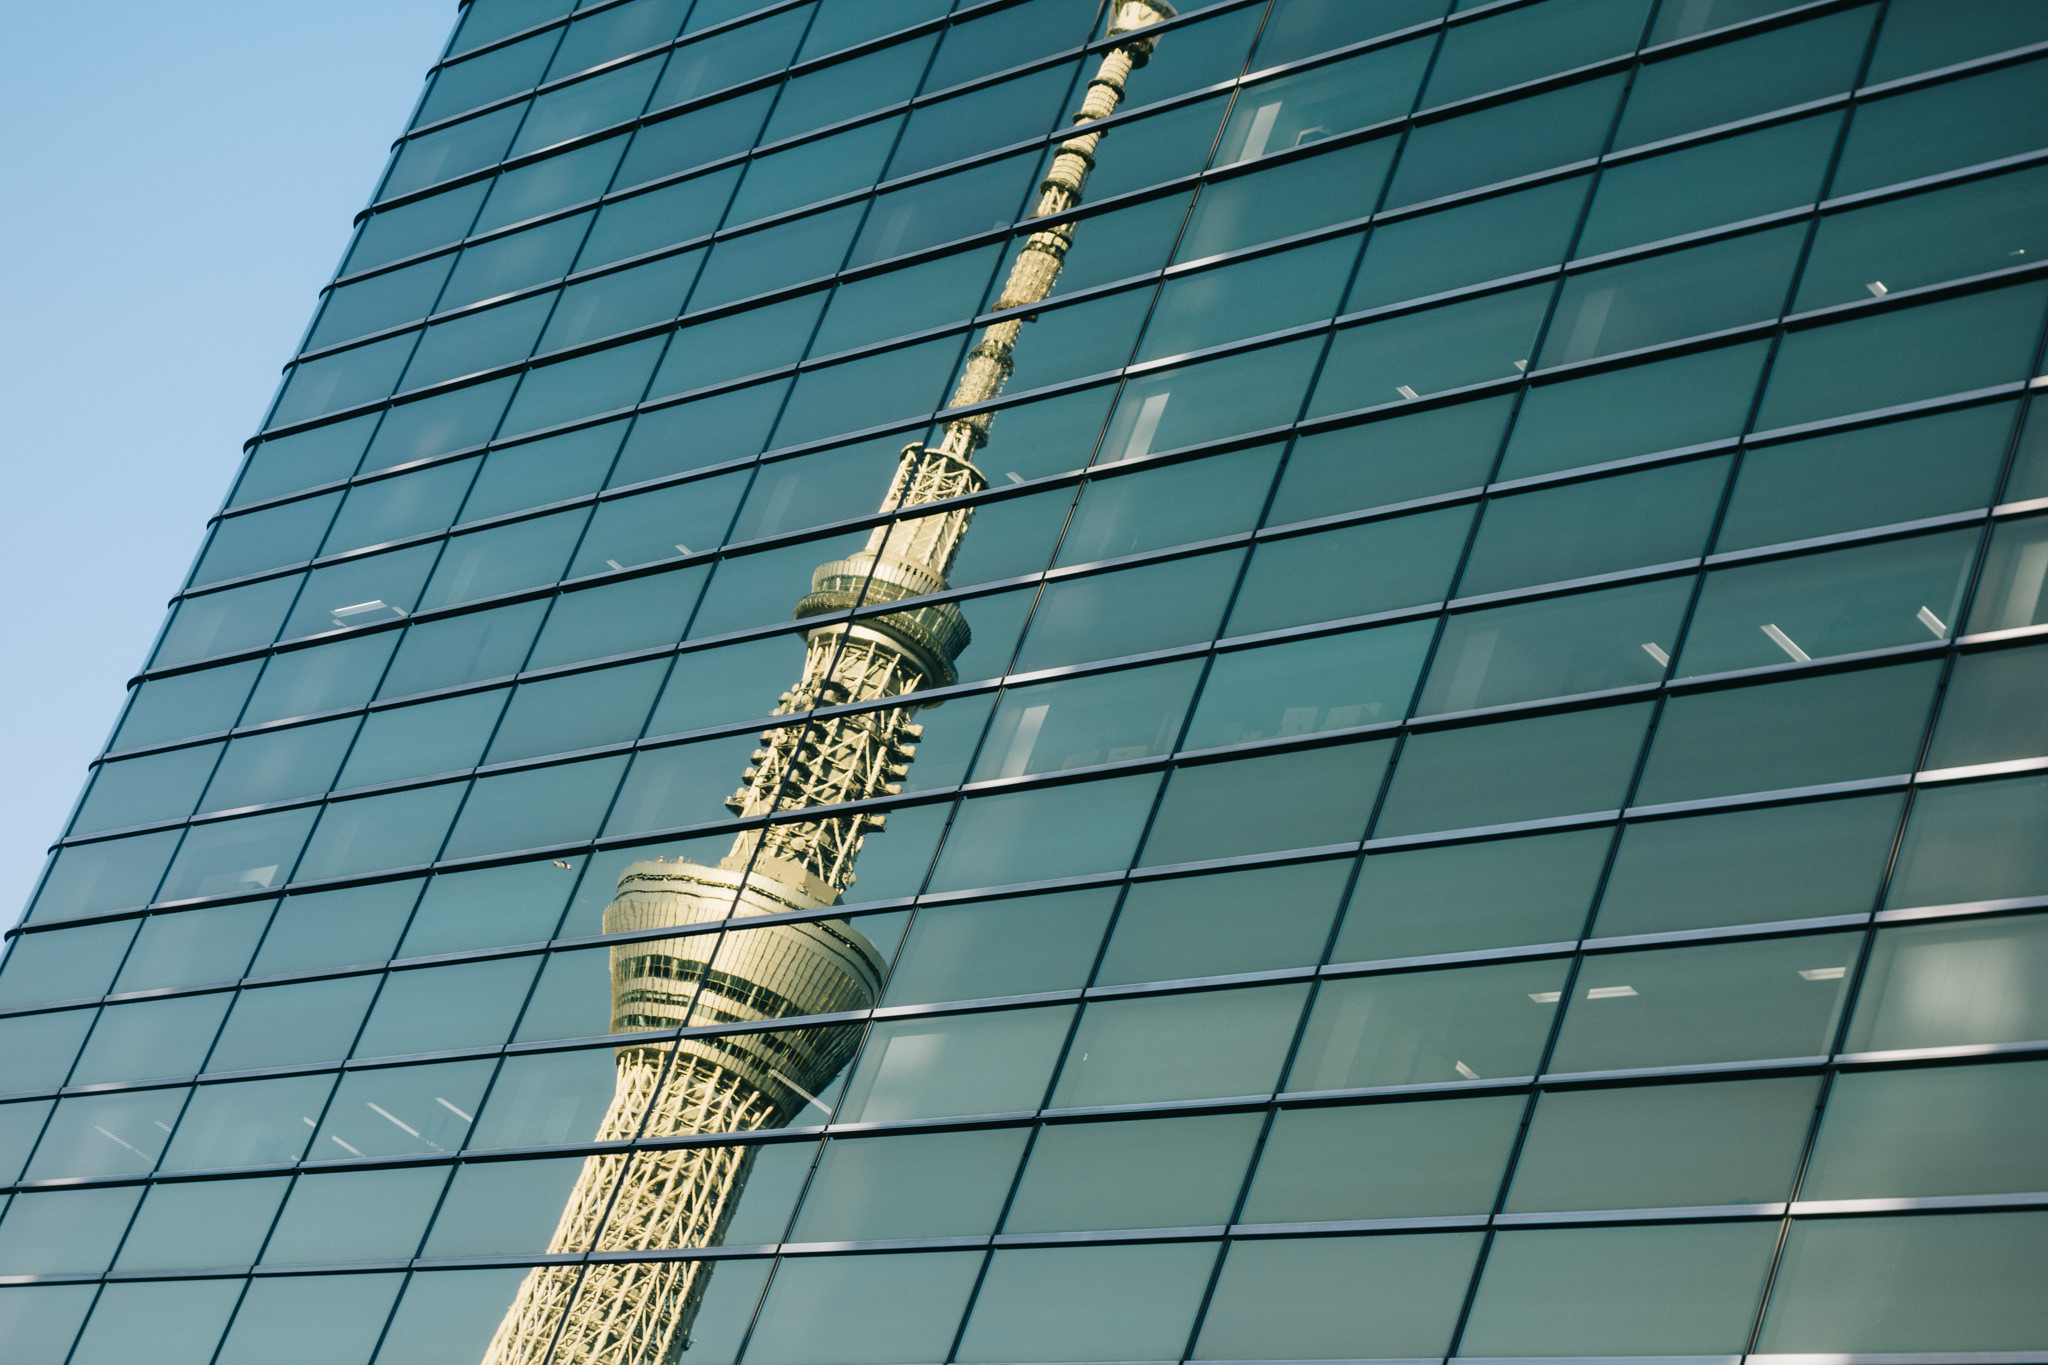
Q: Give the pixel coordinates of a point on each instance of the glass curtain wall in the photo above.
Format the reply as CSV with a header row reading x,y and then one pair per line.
x,y
1435,748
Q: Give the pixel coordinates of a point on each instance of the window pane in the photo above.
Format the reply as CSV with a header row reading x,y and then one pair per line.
x,y
1664,1146
1199,926
918,1185
1423,1027
1180,1047
1551,765
1712,1003
1687,1290
1149,1173
1116,1303
1931,1131
983,949
1338,1298
1954,1282
1835,728
1384,1160
1837,602
1749,867
1941,985
1500,893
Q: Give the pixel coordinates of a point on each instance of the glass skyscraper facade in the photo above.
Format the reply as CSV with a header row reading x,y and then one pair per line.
x,y
1386,670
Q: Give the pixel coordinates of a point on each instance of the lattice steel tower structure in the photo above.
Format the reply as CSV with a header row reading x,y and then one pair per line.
x,y
627,1313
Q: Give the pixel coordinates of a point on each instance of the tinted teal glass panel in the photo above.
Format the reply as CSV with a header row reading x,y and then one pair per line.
x,y
1839,602
1118,1303
113,875
1655,516
1500,893
185,704
898,1308
1685,1290
1871,476
419,226
278,766
1891,358
1749,867
1332,682
1263,295
1935,1131
212,1223
146,790
336,928
1753,173
120,1133
1956,123
1663,405
1729,81
248,1123
1351,571
64,1231
992,948
1585,643
1469,1024
1970,229
1180,1047
1526,43
400,829
343,1312
1390,461
1494,238
1017,837
453,151
1984,716
1403,358
151,1039
266,540
313,1021
917,1185
64,966
232,856
1080,722
1906,1284
966,1064
1664,1146
1943,985
1230,922
1111,614
1384,1160
1302,28
1710,1003
481,80
1159,1173
1322,1298
1686,293
981,120
1836,728
1919,35
1323,101
1551,765
1294,196
1552,129
41,1047
1296,800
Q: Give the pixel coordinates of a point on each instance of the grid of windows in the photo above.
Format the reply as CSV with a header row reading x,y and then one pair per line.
x,y
1493,806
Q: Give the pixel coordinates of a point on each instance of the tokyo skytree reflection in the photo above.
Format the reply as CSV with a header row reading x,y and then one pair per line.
x,y
617,1311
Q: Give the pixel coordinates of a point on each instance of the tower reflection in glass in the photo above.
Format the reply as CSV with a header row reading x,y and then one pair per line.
x,y
639,1313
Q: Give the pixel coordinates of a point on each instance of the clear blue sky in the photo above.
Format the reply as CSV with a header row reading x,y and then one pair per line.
x,y
180,181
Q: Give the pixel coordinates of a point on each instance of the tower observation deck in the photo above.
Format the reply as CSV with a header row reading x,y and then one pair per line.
x,y
620,1312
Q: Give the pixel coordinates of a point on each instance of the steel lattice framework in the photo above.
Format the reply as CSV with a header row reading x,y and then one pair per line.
x,y
598,1310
